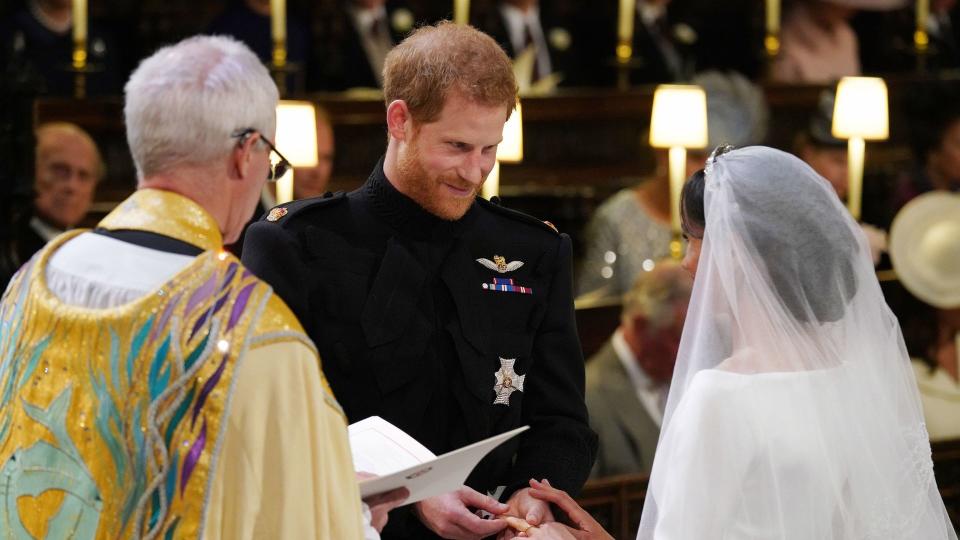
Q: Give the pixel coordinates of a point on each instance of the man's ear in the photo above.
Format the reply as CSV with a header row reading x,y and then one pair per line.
x,y
399,120
242,156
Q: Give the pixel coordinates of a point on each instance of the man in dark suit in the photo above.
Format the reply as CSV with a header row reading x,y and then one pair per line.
x,y
443,313
354,41
628,379
521,24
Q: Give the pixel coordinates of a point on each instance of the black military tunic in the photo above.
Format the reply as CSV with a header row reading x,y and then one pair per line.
x,y
410,326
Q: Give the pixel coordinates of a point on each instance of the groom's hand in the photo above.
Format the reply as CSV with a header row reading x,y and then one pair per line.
x,y
526,507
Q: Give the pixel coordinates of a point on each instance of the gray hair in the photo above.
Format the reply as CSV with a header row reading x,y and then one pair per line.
x,y
184,103
656,294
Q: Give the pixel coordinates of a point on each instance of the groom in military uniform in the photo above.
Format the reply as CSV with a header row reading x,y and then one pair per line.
x,y
443,313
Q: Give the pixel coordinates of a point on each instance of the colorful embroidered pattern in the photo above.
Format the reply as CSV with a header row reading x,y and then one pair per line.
x,y
109,419
506,285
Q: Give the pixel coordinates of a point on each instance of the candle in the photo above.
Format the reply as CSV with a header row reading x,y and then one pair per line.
x,y
628,10
461,11
773,17
772,40
920,36
79,21
278,20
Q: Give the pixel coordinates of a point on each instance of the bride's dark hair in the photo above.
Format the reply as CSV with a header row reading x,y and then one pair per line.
x,y
693,219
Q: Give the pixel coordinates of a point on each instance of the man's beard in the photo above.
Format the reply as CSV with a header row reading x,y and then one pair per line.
x,y
428,191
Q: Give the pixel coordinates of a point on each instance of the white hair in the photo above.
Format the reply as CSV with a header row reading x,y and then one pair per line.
x,y
184,103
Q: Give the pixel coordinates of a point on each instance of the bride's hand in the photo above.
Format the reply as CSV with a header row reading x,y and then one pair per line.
x,y
587,528
553,531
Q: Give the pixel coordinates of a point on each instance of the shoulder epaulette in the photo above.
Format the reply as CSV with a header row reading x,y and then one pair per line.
x,y
283,213
494,206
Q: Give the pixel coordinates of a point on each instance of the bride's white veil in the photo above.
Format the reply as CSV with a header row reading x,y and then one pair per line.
x,y
793,412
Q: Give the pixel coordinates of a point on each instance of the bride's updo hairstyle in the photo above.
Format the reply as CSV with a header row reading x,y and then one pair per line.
x,y
795,222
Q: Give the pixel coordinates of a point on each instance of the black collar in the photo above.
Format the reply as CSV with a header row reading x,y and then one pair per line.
x,y
404,214
151,240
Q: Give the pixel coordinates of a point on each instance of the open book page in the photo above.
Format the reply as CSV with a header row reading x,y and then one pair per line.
x,y
381,448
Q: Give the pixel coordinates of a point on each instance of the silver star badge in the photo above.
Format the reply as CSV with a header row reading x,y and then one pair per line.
x,y
507,381
500,264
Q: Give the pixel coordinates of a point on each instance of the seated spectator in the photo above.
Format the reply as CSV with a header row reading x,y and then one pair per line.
x,y
818,44
67,171
38,38
935,359
935,136
628,379
632,229
928,304
518,25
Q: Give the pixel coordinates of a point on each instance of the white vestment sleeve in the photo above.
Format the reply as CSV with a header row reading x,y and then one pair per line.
x,y
285,470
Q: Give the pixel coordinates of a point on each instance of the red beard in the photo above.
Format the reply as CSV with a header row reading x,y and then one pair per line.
x,y
430,192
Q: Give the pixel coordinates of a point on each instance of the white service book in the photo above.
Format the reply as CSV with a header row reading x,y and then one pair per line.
x,y
398,460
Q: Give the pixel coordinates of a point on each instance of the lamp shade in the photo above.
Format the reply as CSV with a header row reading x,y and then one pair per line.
x,y
679,117
510,149
860,109
297,132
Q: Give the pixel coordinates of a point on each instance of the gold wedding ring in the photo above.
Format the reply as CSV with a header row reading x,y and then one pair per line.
x,y
517,523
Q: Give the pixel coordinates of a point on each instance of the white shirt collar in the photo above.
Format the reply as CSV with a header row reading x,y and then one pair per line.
x,y
46,231
651,396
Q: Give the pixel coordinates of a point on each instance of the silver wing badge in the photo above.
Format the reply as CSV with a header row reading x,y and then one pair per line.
x,y
500,264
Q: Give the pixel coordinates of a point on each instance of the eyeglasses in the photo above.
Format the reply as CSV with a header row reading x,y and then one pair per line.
x,y
278,169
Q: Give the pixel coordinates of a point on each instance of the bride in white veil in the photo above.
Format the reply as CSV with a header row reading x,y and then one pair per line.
x,y
793,412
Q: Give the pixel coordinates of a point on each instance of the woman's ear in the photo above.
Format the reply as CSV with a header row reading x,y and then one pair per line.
x,y
399,120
